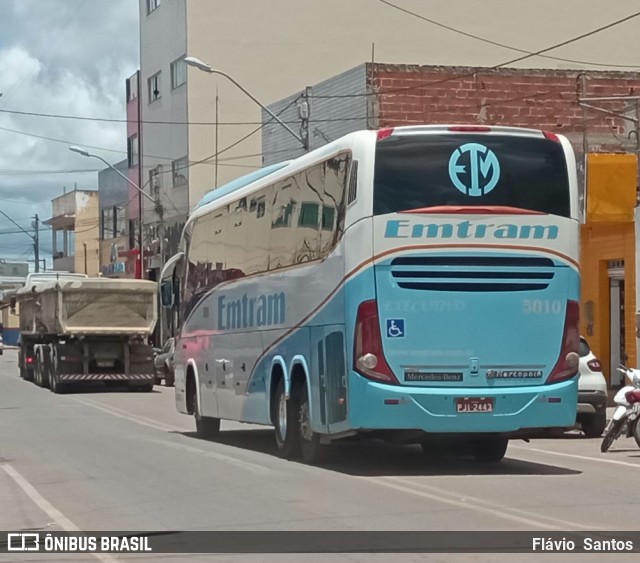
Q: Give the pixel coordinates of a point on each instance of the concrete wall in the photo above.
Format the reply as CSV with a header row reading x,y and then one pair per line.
x,y
329,117
87,233
600,244
113,188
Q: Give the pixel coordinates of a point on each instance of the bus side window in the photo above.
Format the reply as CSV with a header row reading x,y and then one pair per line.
x,y
334,200
308,235
284,224
258,231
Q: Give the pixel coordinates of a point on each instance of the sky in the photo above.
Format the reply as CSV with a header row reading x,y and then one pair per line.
x,y
68,57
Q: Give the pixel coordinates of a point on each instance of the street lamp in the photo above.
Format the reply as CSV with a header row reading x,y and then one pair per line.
x,y
85,152
197,63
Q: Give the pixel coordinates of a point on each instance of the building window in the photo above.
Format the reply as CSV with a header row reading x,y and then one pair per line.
x,y
180,171
132,151
152,5
132,88
178,73
154,87
107,223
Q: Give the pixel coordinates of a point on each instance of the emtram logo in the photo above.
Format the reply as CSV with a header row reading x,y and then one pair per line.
x,y
474,169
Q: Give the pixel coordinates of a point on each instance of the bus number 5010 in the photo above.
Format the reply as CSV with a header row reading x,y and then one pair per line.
x,y
542,306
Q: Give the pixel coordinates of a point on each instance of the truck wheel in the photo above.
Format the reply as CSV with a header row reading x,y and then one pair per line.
x,y
169,377
593,426
55,385
46,368
26,372
489,450
37,371
54,379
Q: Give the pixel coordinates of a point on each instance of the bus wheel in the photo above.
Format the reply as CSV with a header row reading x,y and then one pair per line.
x,y
207,427
285,420
489,449
312,450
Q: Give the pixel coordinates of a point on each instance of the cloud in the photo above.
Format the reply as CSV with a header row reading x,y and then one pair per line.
x,y
59,57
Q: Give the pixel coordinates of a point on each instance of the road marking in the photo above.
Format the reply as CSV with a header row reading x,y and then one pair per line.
x,y
114,411
498,511
471,501
53,513
576,456
260,469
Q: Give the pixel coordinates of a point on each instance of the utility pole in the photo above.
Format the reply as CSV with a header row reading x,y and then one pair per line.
x,y
304,112
216,147
36,242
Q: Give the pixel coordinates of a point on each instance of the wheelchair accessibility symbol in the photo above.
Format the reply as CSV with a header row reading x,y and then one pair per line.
x,y
395,328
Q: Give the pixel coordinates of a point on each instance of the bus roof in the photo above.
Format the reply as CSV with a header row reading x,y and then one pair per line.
x,y
238,183
349,140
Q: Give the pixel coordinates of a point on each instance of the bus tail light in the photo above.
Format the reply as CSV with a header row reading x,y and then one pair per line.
x,y
369,360
384,132
594,365
469,129
551,136
567,364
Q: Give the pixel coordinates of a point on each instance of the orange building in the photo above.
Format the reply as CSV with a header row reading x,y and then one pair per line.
x,y
608,261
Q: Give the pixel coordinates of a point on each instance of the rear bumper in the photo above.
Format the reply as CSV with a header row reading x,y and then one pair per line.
x,y
516,409
592,402
122,377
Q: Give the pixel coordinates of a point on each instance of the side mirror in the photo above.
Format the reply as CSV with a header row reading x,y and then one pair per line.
x,y
166,294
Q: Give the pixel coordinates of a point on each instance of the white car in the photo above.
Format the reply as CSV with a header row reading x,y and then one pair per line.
x,y
592,393
1,345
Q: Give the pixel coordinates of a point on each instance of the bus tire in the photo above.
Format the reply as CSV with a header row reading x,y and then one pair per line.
x,y
285,420
489,450
313,452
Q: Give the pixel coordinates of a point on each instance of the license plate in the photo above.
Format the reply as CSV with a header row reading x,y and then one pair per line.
x,y
105,364
474,404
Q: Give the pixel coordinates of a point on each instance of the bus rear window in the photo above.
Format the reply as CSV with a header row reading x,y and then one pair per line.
x,y
421,171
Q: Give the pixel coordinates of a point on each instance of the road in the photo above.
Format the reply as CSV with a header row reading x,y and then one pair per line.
x,y
105,460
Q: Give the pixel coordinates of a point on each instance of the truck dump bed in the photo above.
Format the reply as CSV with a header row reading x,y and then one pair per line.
x,y
88,306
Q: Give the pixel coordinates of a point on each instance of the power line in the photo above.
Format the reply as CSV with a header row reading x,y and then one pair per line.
x,y
145,122
487,69
496,43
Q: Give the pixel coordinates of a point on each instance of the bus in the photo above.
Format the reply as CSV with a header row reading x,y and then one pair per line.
x,y
410,283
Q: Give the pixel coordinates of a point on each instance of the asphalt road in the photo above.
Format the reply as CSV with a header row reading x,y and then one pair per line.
x,y
103,460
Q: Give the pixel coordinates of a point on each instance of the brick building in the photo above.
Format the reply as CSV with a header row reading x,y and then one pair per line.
x,y
596,110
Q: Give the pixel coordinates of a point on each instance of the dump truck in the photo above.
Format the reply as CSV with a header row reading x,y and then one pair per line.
x,y
86,330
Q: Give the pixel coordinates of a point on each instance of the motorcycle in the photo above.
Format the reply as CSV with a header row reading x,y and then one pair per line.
x,y
626,418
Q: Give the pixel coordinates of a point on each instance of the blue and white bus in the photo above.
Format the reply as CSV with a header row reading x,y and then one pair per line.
x,y
407,283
